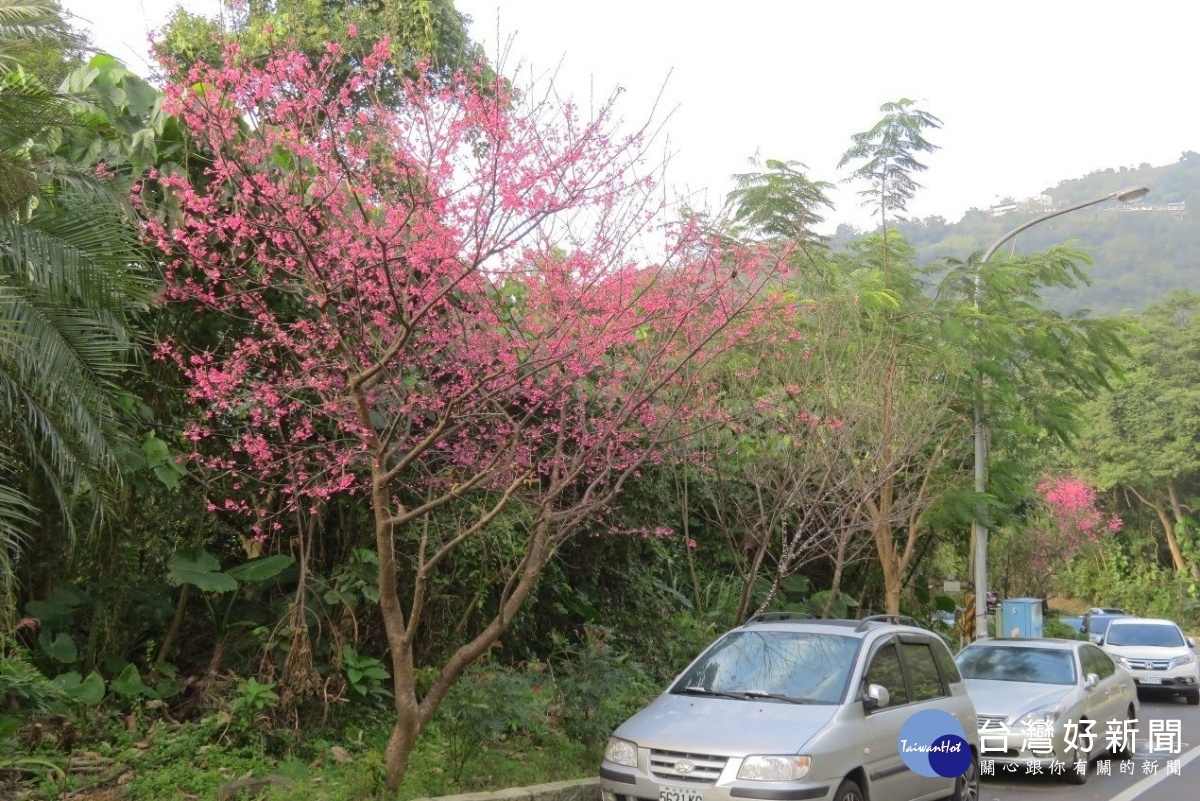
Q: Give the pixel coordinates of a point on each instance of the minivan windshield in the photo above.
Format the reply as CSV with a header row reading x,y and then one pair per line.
x,y
791,666
1012,663
1161,635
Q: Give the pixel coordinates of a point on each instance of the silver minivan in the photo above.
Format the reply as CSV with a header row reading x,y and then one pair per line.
x,y
786,708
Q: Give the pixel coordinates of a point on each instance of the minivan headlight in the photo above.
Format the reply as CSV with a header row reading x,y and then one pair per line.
x,y
1042,716
621,752
1180,661
771,768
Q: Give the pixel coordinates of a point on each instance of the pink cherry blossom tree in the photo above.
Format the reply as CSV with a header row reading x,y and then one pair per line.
x,y
1067,522
445,304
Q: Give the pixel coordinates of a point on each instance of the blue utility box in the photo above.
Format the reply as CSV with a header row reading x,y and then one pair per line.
x,y
1020,617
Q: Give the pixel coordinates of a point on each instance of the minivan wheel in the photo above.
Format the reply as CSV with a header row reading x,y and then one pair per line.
x,y
848,791
1127,751
1074,775
966,786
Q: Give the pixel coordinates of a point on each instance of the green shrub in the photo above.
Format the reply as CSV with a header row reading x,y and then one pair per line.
x,y
487,703
1052,627
597,687
365,674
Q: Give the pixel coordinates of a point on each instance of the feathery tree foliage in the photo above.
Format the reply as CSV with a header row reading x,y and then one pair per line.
x,y
888,152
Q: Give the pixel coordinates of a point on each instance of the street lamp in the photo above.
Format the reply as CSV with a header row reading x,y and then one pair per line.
x,y
979,531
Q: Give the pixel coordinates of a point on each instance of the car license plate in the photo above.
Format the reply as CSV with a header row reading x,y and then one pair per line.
x,y
679,794
1150,680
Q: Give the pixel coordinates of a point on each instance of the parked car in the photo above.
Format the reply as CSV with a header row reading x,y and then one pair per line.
x,y
1034,696
1094,625
1103,610
993,601
1099,611
1157,653
790,708
943,618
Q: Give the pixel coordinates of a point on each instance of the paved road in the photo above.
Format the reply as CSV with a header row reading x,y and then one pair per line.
x,y
1170,772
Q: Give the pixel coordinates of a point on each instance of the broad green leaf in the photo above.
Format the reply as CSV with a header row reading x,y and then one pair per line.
x,y
167,475
199,568
130,685
67,681
48,612
143,150
165,688
260,569
141,95
91,691
155,450
57,608
62,648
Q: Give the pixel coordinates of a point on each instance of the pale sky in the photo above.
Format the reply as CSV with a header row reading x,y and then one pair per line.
x,y
1030,92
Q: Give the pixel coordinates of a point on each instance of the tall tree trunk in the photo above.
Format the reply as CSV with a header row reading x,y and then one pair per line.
x,y
1168,527
402,740
835,583
168,643
752,577
407,725
413,714
685,514
1179,517
885,545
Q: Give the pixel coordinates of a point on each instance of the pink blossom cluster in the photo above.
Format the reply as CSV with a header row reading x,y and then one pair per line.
x,y
436,296
1069,520
645,532
1073,504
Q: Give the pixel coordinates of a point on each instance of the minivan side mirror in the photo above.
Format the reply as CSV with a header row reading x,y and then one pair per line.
x,y
876,697
1191,643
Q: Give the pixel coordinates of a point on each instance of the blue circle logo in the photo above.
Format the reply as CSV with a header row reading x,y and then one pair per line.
x,y
933,743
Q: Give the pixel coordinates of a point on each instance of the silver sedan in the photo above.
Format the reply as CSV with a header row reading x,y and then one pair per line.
x,y
1048,705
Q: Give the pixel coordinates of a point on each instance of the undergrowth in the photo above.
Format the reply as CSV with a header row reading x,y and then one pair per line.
x,y
500,726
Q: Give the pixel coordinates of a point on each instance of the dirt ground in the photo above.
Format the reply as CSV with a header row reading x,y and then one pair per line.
x,y
1067,606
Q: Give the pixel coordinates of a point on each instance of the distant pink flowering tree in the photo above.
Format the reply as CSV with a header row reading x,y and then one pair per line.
x,y
439,305
1067,522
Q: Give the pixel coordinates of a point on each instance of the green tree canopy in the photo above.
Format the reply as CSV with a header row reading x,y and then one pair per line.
x,y
425,31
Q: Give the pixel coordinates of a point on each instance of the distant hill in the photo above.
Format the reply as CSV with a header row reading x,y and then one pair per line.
x,y
1142,250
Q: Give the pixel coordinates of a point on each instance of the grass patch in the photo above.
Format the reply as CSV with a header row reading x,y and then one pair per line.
x,y
193,760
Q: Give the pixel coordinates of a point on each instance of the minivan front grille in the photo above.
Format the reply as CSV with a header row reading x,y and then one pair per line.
x,y
992,722
1148,664
678,766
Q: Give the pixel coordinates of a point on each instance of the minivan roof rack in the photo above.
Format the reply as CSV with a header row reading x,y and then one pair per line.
x,y
767,617
901,620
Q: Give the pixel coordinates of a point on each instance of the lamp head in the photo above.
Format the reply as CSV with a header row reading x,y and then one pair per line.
x,y
1133,193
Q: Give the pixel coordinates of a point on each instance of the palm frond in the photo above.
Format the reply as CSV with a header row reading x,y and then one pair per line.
x,y
26,105
29,18
86,255
69,277
25,23
16,520
72,276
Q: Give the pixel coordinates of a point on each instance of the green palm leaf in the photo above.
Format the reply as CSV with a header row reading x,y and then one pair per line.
x,y
72,279
26,23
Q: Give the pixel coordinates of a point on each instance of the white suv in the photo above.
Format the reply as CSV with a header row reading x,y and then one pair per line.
x,y
1157,653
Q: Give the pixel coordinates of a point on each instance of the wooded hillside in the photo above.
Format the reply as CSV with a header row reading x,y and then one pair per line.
x,y
1141,251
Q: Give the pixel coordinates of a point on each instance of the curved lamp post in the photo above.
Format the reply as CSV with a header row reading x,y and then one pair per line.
x,y
979,531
